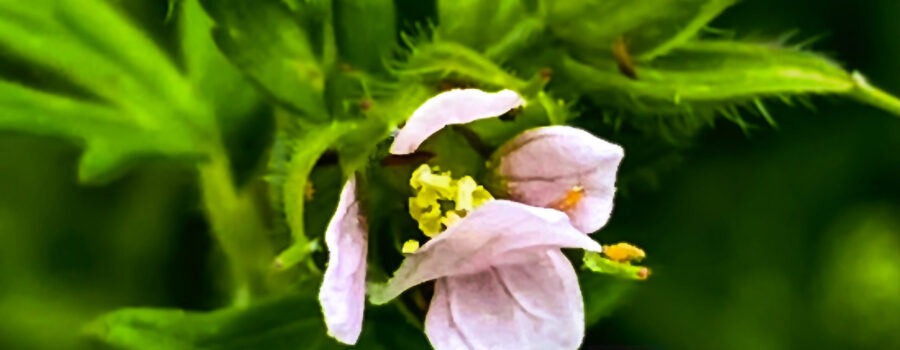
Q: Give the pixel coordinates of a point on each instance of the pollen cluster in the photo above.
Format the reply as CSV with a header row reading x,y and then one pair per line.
x,y
440,200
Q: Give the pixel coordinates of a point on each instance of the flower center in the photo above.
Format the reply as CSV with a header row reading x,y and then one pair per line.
x,y
440,200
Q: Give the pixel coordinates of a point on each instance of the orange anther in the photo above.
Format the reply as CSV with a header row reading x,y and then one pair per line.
x,y
572,197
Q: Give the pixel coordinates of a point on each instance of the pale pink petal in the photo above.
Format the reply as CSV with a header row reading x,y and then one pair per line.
x,y
452,107
344,285
533,305
497,232
545,166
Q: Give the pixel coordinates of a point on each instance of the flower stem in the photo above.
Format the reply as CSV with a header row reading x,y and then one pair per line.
x,y
237,226
874,96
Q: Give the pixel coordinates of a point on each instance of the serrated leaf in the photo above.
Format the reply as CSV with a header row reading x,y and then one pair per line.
x,y
109,138
141,107
441,60
268,43
290,322
707,75
213,77
287,322
650,27
496,28
304,148
104,52
365,32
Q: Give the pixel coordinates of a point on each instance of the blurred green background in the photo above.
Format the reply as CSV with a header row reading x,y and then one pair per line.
x,y
786,239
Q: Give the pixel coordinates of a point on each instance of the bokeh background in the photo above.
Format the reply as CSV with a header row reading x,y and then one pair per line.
x,y
788,238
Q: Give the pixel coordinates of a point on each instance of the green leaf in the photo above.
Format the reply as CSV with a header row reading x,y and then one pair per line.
x,y
288,322
441,60
213,77
497,28
141,105
304,148
708,75
96,47
650,27
602,294
365,32
271,46
110,138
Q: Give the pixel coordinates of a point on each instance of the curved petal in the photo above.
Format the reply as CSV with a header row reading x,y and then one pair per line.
x,y
451,107
533,305
497,232
343,290
579,180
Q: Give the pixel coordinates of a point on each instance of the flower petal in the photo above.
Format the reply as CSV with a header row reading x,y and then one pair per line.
x,y
497,232
533,305
561,167
343,290
451,107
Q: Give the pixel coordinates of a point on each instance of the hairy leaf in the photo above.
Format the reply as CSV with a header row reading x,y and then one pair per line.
x,y
365,32
496,28
304,150
265,40
650,27
213,77
718,74
443,60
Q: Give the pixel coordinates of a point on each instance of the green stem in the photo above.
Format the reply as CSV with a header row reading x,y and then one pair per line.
x,y
236,225
874,96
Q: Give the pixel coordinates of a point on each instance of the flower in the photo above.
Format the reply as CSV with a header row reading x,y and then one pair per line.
x,y
581,181
501,280
460,106
343,291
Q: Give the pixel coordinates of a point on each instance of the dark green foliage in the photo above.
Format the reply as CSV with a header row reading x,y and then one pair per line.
x,y
270,45
286,322
305,94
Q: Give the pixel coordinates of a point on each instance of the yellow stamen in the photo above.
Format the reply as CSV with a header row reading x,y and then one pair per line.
x,y
410,246
623,252
433,188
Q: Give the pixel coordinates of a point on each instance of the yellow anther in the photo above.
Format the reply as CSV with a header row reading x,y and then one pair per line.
x,y
432,189
410,246
464,189
623,252
450,219
570,199
423,178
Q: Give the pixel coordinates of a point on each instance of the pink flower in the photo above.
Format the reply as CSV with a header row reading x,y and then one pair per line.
x,y
452,107
563,168
501,281
343,291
